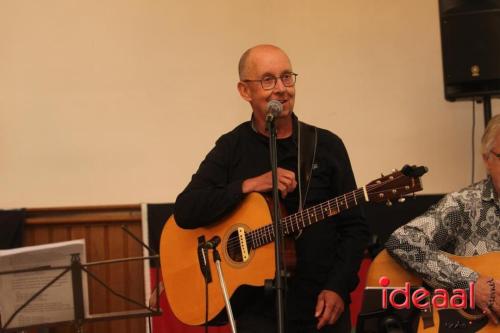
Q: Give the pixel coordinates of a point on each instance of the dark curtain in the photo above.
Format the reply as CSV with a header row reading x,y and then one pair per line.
x,y
11,228
157,216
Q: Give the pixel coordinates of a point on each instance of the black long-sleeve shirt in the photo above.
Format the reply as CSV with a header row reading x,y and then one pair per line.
x,y
328,252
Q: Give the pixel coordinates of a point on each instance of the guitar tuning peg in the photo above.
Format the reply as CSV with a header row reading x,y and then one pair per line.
x,y
401,200
394,170
388,203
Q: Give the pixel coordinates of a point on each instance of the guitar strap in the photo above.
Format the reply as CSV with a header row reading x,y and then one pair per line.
x,y
308,139
427,314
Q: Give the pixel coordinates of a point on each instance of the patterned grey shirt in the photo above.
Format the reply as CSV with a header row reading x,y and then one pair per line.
x,y
464,223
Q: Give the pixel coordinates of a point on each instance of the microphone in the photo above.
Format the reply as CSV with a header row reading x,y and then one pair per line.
x,y
274,108
212,243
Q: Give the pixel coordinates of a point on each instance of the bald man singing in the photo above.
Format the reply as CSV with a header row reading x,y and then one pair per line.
x,y
328,253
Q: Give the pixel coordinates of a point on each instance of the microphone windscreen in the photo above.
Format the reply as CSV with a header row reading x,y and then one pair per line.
x,y
274,107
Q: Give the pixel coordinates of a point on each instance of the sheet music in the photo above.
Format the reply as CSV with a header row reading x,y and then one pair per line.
x,y
56,303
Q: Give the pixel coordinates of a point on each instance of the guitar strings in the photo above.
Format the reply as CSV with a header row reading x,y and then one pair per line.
x,y
265,234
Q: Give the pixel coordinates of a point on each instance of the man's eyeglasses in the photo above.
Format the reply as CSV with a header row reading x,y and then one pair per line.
x,y
269,82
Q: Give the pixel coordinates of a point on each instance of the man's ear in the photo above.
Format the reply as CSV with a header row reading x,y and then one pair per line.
x,y
486,160
244,91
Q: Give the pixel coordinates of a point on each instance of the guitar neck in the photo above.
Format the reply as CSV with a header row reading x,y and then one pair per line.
x,y
300,220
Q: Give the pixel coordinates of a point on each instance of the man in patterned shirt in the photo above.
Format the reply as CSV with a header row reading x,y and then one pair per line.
x,y
464,223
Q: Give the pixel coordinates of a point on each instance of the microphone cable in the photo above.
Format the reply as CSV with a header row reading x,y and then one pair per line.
x,y
206,270
206,304
473,139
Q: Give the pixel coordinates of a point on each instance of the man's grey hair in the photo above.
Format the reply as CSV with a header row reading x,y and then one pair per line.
x,y
490,134
243,63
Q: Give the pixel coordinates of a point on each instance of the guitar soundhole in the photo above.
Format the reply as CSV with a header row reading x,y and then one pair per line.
x,y
233,247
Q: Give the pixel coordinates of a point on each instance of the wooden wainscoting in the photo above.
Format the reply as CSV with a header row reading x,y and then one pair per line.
x,y
100,226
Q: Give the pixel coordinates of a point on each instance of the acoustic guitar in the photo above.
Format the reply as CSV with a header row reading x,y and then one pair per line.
x,y
439,320
246,237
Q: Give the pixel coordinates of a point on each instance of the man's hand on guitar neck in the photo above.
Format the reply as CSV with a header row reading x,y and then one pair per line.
x,y
264,182
487,296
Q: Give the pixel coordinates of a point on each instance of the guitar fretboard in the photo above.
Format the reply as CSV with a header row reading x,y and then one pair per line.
x,y
300,220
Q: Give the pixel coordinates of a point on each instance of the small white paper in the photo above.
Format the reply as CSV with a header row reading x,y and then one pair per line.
x,y
55,304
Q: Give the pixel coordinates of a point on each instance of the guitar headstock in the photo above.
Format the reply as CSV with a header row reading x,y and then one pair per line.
x,y
396,185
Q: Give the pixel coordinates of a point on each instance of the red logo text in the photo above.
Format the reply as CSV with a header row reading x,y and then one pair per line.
x,y
422,298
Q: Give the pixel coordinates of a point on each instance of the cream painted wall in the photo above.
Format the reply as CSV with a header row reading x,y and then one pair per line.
x,y
117,101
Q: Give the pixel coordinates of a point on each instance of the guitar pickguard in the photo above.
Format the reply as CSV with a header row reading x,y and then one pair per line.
x,y
451,321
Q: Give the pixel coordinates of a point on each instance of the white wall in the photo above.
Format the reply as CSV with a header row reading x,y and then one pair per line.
x,y
117,101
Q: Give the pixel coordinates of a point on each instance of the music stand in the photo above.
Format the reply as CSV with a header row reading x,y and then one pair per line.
x,y
80,318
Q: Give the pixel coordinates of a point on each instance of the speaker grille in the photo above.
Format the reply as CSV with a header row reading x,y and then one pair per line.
x,y
470,40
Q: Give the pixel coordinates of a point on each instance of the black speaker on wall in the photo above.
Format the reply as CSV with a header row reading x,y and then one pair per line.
x,y
470,43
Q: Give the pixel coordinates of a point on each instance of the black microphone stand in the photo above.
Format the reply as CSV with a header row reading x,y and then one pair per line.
x,y
278,233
